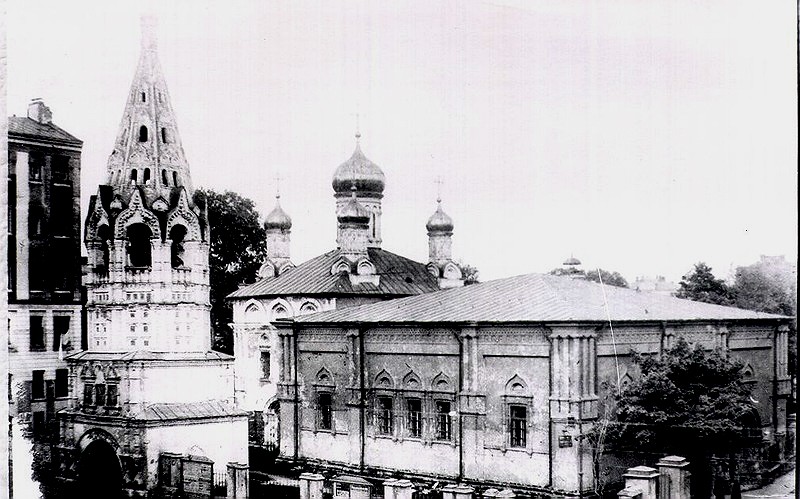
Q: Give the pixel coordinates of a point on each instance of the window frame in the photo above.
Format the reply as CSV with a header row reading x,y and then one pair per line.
x,y
414,427
324,413
38,387
40,345
517,434
384,417
61,386
438,420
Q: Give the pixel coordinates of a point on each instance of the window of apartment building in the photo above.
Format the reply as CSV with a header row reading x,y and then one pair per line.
x,y
444,429
37,268
324,411
37,385
62,383
38,424
385,415
265,365
61,212
518,425
60,330
36,333
60,169
35,219
35,167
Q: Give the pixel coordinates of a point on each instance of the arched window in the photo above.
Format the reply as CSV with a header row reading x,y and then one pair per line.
x,y
251,313
279,312
104,233
177,235
146,179
308,308
164,136
134,175
164,178
142,133
144,97
138,247
175,178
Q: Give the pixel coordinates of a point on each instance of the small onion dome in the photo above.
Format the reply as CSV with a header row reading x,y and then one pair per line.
x,y
277,218
572,261
439,221
353,211
358,170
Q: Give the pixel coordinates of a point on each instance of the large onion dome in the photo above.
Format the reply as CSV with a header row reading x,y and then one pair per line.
x,y
277,218
439,221
358,171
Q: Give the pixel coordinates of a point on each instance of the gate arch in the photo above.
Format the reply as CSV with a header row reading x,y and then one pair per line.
x,y
99,468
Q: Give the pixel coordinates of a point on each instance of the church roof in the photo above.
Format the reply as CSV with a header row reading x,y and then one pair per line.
x,y
86,355
23,126
398,276
188,410
534,298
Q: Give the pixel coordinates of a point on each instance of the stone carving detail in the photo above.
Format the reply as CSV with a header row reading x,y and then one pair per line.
x,y
136,212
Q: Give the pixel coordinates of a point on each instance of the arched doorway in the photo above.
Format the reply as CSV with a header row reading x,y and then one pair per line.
x,y
272,428
99,472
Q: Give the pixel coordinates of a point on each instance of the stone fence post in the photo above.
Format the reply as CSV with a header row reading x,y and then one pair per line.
x,y
238,481
311,486
643,478
673,481
457,492
397,489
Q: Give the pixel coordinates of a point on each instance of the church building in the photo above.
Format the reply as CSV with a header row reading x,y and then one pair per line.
x,y
148,392
497,384
358,271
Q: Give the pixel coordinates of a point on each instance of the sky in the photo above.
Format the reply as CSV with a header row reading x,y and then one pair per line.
x,y
640,137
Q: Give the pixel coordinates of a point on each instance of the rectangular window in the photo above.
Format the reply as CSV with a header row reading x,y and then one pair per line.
x,y
443,421
37,333
60,329
37,385
414,410
88,394
325,408
265,365
38,423
385,416
60,169
35,167
62,383
99,394
518,425
112,399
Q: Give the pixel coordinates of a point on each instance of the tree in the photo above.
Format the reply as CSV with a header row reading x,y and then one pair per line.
x,y
701,285
688,402
608,278
471,274
237,250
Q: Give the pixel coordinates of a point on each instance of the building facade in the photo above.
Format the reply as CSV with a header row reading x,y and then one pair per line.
x,y
148,384
497,384
356,272
44,263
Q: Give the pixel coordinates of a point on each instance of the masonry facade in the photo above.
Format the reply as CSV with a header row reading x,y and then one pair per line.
x,y
358,271
44,263
497,383
147,387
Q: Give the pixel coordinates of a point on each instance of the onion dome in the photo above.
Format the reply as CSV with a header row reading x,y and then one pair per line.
x,y
439,221
572,261
353,211
358,170
277,218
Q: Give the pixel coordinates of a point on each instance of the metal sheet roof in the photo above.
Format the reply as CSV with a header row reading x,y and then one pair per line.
x,y
189,410
398,276
534,298
147,355
23,126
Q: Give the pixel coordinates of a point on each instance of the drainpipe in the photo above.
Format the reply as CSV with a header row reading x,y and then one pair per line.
x,y
460,414
293,367
362,403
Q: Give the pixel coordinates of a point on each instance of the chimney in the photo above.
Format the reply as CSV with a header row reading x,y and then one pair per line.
x,y
37,111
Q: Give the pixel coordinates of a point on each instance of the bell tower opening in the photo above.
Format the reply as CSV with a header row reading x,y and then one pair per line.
x,y
142,133
139,250
177,235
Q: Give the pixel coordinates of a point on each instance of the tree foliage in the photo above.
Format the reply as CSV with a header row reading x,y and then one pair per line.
x,y
608,278
688,402
701,285
237,250
766,288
